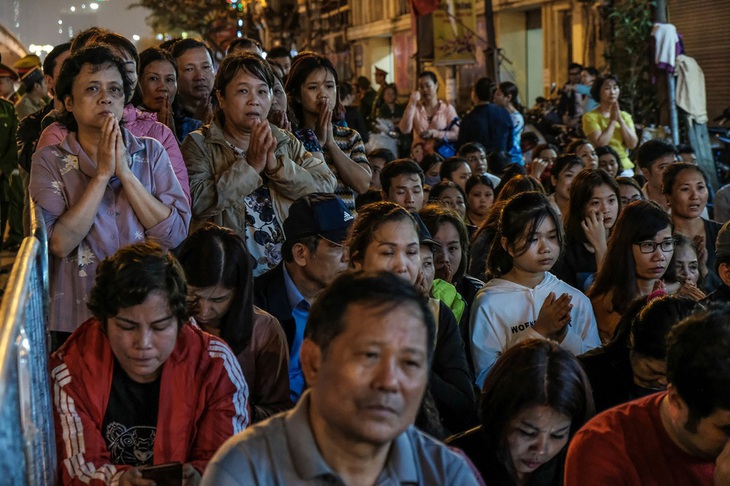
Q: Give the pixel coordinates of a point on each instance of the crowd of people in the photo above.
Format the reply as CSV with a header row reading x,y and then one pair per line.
x,y
242,293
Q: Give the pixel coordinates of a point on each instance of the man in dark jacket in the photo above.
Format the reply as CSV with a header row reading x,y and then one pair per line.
x,y
486,123
31,127
313,256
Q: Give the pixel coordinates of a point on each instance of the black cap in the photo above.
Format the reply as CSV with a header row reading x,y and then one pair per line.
x,y
424,236
322,214
32,77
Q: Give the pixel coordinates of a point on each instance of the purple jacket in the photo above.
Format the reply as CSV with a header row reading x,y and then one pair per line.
x,y
60,175
141,124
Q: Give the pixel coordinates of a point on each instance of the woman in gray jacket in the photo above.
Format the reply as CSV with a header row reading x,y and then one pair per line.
x,y
245,172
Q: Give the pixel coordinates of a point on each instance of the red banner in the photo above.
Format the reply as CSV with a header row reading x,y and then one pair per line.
x,y
424,7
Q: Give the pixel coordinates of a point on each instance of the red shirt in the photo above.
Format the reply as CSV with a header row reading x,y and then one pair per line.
x,y
628,445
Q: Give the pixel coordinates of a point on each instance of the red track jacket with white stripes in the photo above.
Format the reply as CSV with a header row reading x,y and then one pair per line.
x,y
203,402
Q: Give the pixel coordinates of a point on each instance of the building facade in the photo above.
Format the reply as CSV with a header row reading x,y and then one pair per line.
x,y
382,33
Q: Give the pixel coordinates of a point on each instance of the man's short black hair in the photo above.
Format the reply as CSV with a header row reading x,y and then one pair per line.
x,y
399,167
652,150
378,290
470,148
698,362
363,82
345,90
574,65
484,89
49,64
278,51
450,165
243,43
530,137
311,242
181,46
382,153
685,148
591,70
368,197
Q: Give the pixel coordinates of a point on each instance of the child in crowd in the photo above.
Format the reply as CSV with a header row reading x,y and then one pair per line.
x,y
451,259
451,195
417,152
524,300
431,166
456,169
479,199
584,149
594,208
609,160
566,167
541,165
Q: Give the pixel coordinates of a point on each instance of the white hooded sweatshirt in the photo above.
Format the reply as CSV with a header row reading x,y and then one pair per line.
x,y
504,312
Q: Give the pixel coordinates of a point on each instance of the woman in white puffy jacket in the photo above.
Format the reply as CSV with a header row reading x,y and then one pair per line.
x,y
523,299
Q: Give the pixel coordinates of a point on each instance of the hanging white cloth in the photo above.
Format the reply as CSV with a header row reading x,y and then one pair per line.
x,y
665,53
691,95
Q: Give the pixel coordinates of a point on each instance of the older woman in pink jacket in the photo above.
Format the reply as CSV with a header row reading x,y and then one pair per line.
x,y
101,188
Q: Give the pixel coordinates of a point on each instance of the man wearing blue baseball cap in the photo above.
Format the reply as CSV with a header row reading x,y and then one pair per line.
x,y
313,256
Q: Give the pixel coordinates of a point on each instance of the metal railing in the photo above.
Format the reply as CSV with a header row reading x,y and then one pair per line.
x,y
27,443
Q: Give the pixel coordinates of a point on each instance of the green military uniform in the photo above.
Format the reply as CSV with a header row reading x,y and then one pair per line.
x,y
10,184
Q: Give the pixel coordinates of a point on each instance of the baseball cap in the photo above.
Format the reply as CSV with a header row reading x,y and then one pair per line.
x,y
32,77
424,236
322,214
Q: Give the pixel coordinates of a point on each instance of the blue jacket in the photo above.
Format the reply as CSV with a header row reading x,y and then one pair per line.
x,y
489,125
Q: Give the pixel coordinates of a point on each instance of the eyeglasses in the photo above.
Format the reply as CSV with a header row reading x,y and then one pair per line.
x,y
627,200
650,246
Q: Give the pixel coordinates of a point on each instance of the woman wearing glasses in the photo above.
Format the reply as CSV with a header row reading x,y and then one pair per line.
x,y
685,188
639,253
630,190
